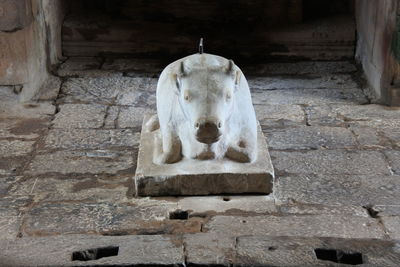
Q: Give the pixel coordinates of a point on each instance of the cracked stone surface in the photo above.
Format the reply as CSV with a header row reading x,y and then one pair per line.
x,y
83,187
66,168
92,161
11,209
16,147
296,225
331,162
393,157
280,115
308,96
76,65
91,138
80,116
317,82
392,224
306,137
288,251
210,249
57,251
361,190
96,217
131,117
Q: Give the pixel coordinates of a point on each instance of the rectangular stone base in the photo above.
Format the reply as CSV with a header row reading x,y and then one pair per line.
x,y
201,177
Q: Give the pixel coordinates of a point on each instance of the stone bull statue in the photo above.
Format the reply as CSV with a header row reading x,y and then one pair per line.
x,y
205,111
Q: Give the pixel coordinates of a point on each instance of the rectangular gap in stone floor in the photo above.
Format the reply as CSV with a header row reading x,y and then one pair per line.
x,y
95,254
339,256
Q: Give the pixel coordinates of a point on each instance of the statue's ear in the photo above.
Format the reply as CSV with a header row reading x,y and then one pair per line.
x,y
180,73
233,71
177,80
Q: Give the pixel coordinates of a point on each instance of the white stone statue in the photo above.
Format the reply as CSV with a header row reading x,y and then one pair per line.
x,y
205,111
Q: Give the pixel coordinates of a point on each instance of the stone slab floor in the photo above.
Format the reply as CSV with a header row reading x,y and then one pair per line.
x,y
67,162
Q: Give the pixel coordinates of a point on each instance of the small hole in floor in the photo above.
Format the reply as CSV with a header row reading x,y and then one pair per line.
x,y
30,105
226,198
372,212
179,215
95,254
338,256
244,221
326,254
272,248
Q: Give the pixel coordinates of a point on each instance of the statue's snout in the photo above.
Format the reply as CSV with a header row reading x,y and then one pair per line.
x,y
208,131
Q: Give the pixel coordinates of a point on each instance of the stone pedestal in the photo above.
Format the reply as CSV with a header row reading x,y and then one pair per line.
x,y
195,177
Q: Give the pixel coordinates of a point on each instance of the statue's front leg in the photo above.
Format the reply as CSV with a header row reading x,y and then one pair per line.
x,y
242,151
168,148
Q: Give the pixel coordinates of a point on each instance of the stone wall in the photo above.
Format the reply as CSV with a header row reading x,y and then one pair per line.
x,y
376,23
30,43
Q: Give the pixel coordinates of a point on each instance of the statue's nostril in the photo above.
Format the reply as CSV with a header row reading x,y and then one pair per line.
x,y
197,125
219,124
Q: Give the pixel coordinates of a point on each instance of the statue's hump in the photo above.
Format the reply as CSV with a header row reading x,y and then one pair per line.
x,y
203,61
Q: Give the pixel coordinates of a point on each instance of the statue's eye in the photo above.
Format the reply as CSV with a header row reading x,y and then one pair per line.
x,y
228,96
186,96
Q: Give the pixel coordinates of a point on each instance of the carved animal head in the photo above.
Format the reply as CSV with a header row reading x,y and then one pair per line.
x,y
207,98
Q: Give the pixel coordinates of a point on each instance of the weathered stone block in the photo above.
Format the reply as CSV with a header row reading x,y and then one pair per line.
x,y
10,220
294,251
85,67
210,249
11,107
189,177
387,210
74,66
110,121
143,94
306,137
330,162
280,115
368,137
15,15
15,148
138,98
47,218
10,166
375,116
393,134
50,89
57,250
218,204
91,139
393,157
6,183
296,225
26,129
392,224
338,190
80,116
92,161
332,81
308,96
84,188
323,115
132,117
300,208
89,90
